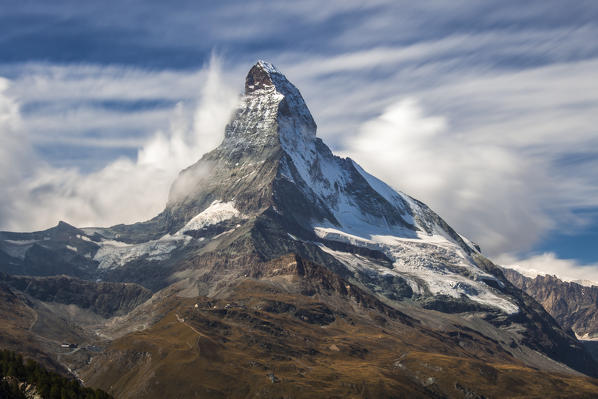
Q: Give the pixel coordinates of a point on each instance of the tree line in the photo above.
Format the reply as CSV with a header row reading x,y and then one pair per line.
x,y
49,385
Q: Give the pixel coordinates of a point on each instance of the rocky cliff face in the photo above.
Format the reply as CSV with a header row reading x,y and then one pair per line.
x,y
573,305
104,299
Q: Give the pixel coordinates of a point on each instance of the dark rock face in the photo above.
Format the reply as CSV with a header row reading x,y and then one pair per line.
x,y
105,299
574,306
257,79
317,314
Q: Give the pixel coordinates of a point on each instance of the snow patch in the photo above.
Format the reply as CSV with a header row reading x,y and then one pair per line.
x,y
217,212
113,254
587,337
428,263
20,242
266,66
84,238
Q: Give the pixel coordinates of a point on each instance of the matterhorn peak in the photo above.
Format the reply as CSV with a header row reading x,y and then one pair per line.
x,y
271,113
264,77
260,75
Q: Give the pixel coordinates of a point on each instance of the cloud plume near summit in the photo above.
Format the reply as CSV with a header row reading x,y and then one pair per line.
x,y
123,191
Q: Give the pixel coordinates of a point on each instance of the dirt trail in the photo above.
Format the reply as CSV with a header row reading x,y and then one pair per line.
x,y
199,334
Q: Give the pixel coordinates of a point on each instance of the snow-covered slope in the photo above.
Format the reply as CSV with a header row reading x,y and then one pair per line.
x,y
114,253
217,212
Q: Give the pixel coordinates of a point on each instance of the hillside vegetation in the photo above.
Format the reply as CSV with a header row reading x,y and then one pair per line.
x,y
18,378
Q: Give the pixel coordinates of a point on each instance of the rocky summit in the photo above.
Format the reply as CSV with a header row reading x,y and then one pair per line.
x,y
278,269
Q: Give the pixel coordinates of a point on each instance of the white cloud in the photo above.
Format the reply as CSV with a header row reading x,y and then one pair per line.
x,y
485,190
17,160
12,145
549,263
124,191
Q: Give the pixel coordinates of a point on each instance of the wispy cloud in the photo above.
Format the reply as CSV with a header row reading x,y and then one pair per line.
x,y
94,106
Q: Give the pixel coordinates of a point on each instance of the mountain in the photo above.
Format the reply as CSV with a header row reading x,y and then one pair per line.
x,y
278,269
573,305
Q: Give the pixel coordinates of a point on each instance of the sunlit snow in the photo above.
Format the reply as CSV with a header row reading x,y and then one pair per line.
x,y
217,212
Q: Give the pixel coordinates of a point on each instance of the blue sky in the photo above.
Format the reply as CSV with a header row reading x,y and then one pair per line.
x,y
487,111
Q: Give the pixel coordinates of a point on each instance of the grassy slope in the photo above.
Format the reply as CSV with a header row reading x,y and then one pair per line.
x,y
16,321
272,343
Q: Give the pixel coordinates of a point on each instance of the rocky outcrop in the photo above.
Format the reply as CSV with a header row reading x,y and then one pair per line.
x,y
103,298
573,305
